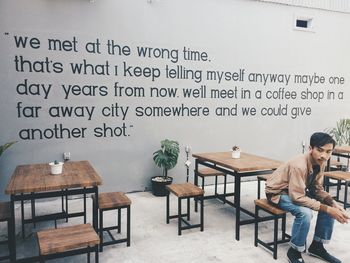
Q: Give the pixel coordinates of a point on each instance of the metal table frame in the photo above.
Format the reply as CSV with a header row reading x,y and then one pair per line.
x,y
237,193
79,178
40,195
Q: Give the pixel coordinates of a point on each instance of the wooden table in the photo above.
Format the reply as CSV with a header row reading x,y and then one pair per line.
x,y
34,181
246,165
341,151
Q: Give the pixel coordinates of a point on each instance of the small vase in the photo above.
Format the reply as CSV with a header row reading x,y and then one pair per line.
x,y
56,168
236,154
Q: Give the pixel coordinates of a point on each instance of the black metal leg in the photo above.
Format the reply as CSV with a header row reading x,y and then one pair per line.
x,y
32,201
67,205
101,230
179,215
256,234
346,194
96,254
275,237
216,185
22,217
188,209
196,184
283,227
12,236
202,212
95,210
119,220
225,182
88,256
259,194
167,208
237,203
128,226
84,206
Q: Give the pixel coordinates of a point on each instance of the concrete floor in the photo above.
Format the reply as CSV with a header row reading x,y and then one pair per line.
x,y
153,241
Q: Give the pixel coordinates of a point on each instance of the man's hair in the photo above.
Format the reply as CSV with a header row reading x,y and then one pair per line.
x,y
318,139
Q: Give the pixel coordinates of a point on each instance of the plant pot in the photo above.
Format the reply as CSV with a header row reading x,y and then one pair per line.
x,y
236,154
56,168
158,185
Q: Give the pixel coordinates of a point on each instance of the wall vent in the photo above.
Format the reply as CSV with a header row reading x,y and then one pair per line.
x,y
303,23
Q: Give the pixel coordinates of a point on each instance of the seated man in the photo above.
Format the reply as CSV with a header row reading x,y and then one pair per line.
x,y
297,187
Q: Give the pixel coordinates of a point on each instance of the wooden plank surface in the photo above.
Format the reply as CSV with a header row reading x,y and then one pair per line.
x,y
338,175
67,238
269,207
342,149
112,200
246,163
38,178
185,189
209,172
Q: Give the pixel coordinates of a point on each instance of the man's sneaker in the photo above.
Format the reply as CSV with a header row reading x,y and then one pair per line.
x,y
317,250
294,256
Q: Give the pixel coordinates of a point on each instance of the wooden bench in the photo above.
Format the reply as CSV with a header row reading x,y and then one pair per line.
x,y
185,191
113,201
68,241
275,214
5,216
342,178
335,165
209,172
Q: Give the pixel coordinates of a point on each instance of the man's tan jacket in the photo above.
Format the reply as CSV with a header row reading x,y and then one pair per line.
x,y
293,178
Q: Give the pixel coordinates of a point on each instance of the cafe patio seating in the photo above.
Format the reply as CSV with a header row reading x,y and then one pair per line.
x,y
5,216
185,191
209,172
68,241
113,201
275,214
342,178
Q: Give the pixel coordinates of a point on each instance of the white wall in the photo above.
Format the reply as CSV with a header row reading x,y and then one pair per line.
x,y
237,34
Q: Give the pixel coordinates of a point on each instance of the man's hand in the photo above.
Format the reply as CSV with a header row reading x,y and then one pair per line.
x,y
336,205
338,214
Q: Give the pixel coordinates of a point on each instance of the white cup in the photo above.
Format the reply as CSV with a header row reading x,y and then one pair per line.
x,y
56,168
236,154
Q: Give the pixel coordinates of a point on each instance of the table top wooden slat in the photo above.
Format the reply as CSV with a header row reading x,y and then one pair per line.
x,y
342,149
247,162
37,178
338,175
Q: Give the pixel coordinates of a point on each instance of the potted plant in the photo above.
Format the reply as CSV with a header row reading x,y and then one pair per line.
x,y
236,152
5,146
165,158
341,133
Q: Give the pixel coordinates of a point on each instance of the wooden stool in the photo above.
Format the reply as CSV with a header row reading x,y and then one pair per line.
x,y
185,191
113,201
68,241
335,165
261,177
275,214
342,178
5,216
209,172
